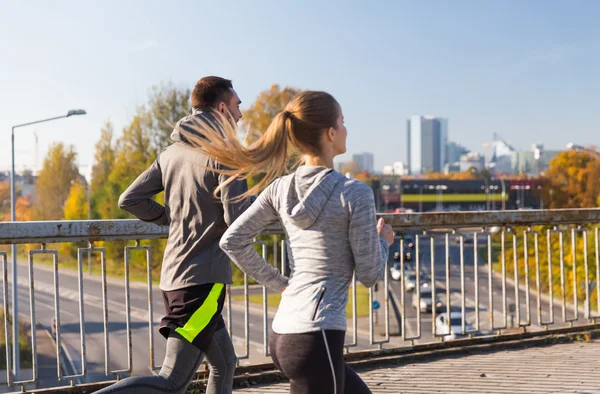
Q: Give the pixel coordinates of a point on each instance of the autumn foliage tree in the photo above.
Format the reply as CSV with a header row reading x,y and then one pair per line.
x,y
571,181
258,117
269,103
76,207
54,181
4,201
24,209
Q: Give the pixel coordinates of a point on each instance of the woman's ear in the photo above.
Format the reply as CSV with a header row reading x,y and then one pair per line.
x,y
331,134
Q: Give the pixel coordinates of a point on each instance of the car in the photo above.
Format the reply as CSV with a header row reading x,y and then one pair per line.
x,y
407,256
425,303
409,242
441,325
410,280
395,271
467,238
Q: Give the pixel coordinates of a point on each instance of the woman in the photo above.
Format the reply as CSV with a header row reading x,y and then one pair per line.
x,y
331,228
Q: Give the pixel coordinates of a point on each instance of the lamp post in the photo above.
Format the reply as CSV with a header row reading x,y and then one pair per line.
x,y
13,217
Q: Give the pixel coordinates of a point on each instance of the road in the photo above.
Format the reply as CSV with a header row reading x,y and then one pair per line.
x,y
94,325
470,290
117,327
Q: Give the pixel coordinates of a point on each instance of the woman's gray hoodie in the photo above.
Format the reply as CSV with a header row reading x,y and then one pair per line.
x,y
331,227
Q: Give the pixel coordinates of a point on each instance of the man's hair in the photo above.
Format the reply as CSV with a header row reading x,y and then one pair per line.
x,y
210,91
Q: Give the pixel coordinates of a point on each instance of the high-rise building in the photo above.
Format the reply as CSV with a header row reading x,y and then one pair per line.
x,y
363,162
454,152
427,143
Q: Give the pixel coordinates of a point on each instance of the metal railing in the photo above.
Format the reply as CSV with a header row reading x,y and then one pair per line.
x,y
464,284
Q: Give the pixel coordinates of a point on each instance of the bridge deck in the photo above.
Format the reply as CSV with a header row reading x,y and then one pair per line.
x,y
554,368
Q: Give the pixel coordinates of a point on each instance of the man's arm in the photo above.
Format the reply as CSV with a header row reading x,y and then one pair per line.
x,y
137,199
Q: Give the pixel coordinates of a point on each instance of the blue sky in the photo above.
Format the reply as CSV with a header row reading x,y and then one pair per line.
x,y
528,70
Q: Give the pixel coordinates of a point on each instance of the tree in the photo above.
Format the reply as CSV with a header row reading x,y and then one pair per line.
x,y
133,154
76,207
54,181
118,163
24,209
104,158
4,201
565,183
591,195
269,103
166,106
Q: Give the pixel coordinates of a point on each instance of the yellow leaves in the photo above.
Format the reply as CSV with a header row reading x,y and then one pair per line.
x,y
269,103
54,181
24,209
571,181
76,207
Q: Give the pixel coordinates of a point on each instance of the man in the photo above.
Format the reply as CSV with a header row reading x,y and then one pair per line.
x,y
194,269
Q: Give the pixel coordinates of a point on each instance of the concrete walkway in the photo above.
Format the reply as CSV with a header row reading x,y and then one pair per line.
x,y
553,369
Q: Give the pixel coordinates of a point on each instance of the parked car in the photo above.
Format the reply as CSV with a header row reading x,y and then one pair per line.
x,y
441,325
425,300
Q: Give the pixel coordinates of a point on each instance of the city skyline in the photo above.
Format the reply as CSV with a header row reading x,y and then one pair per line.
x,y
536,82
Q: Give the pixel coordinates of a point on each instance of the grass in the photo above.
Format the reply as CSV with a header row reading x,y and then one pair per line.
x,y
24,344
362,300
113,269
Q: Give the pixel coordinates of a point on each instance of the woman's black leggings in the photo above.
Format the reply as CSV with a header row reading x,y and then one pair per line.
x,y
314,363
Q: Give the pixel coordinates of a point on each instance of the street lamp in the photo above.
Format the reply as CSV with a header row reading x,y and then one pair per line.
x,y
13,217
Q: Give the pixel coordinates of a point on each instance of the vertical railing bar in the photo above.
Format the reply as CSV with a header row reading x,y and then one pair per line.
x,y
32,316
150,311
504,295
537,278
562,277
105,314
448,302
354,311
490,283
229,320
597,271
574,265
9,377
386,300
550,277
433,284
586,275
527,286
265,307
57,315
402,291
81,310
418,282
516,274
128,314
463,308
371,326
246,319
476,278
